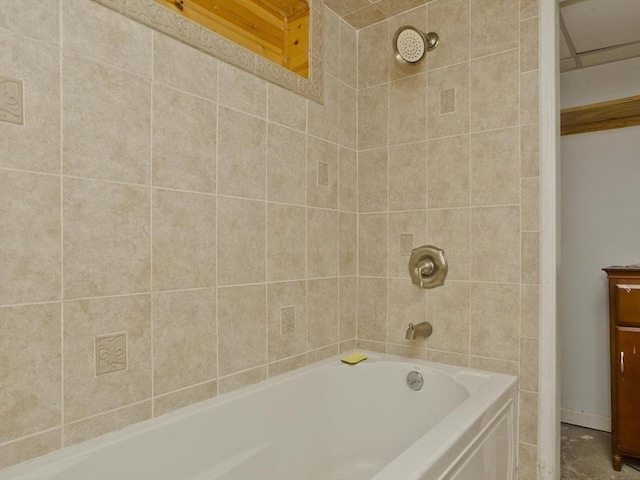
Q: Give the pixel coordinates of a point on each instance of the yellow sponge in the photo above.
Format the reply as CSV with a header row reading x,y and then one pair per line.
x,y
353,358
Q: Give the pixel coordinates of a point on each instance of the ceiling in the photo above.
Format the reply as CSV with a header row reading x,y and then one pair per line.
x,y
362,13
593,32
598,31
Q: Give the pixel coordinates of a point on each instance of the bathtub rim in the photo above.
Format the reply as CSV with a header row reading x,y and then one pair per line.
x,y
472,422
74,453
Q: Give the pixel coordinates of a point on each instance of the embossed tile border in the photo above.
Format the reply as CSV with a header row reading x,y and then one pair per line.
x,y
160,18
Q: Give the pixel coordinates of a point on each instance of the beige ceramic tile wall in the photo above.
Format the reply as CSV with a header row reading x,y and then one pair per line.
x,y
447,154
156,191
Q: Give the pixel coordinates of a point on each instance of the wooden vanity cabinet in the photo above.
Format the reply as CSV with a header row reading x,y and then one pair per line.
x,y
624,328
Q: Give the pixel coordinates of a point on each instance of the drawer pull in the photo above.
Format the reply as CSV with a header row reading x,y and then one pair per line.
x,y
622,364
628,287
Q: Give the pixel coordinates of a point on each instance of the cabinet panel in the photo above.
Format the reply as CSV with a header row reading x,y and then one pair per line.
x,y
628,389
624,328
628,303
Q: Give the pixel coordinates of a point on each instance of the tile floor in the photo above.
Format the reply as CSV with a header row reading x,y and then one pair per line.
x,y
586,454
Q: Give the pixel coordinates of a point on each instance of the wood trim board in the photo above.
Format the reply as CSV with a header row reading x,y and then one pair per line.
x,y
276,29
623,112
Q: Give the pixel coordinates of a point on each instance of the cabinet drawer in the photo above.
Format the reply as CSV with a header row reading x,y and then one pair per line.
x,y
628,304
627,380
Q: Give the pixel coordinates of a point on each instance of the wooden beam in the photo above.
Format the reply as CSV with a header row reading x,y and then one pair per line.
x,y
275,29
286,8
263,9
623,112
296,43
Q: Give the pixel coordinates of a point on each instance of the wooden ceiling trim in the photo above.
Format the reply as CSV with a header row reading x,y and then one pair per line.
x,y
263,9
284,8
296,45
275,29
623,112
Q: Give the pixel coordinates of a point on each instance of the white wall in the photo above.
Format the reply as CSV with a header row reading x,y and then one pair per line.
x,y
600,211
599,84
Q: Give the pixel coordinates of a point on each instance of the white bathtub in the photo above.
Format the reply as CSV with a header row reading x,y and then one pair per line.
x,y
325,421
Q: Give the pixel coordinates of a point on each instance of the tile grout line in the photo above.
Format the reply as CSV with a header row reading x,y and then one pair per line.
x,y
31,435
340,100
151,202
468,63
519,136
217,235
306,228
266,230
357,189
340,141
104,64
387,219
519,76
444,67
61,136
426,170
34,172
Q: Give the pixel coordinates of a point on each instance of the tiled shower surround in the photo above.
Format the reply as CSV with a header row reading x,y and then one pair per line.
x,y
173,228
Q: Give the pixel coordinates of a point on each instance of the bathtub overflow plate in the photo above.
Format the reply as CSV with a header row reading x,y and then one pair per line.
x,y
415,380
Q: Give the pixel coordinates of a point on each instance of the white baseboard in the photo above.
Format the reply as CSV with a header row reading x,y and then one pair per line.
x,y
588,420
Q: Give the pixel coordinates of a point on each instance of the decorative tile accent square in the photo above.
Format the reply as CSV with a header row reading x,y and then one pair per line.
x,y
111,352
447,101
323,174
406,244
288,319
11,101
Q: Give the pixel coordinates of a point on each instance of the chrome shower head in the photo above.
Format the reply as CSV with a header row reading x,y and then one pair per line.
x,y
411,44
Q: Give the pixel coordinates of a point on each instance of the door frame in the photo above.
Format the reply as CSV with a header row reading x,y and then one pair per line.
x,y
549,143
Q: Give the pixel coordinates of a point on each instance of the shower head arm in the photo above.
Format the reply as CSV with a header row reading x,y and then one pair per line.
x,y
431,40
